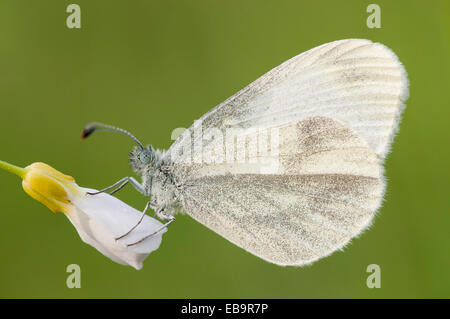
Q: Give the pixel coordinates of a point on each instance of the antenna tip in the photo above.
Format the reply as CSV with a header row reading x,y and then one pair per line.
x,y
88,130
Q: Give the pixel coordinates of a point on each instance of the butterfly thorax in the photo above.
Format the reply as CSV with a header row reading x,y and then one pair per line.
x,y
157,179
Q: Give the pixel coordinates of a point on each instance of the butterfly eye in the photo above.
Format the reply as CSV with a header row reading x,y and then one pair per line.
x,y
145,157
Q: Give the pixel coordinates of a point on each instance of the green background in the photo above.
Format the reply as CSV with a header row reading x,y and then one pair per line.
x,y
153,66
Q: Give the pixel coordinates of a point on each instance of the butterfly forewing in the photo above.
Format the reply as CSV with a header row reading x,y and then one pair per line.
x,y
356,81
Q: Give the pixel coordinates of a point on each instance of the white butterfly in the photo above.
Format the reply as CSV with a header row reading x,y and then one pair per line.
x,y
306,174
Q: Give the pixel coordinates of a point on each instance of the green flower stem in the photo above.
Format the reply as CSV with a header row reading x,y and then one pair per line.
x,y
19,171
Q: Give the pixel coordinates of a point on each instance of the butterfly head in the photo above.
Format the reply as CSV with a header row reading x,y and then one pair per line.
x,y
141,159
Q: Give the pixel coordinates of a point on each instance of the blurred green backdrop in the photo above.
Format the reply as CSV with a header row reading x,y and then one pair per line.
x,y
152,66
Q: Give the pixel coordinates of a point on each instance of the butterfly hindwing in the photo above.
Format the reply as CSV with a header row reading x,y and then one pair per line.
x,y
326,190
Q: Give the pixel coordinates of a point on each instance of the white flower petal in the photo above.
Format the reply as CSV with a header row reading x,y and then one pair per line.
x,y
90,232
99,219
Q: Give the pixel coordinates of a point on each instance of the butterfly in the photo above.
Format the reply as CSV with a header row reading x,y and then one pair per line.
x,y
290,168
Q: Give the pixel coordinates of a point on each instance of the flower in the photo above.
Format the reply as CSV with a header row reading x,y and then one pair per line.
x,y
99,219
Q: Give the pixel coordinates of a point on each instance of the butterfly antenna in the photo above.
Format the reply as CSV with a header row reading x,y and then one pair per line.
x,y
93,127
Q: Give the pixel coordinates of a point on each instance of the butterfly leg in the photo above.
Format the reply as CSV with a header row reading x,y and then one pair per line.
x,y
170,220
149,204
119,188
124,181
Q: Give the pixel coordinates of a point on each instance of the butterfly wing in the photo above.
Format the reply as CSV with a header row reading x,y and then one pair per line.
x,y
358,82
325,190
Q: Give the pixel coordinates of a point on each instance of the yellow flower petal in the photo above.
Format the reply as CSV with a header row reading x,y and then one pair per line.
x,y
54,205
49,186
50,171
